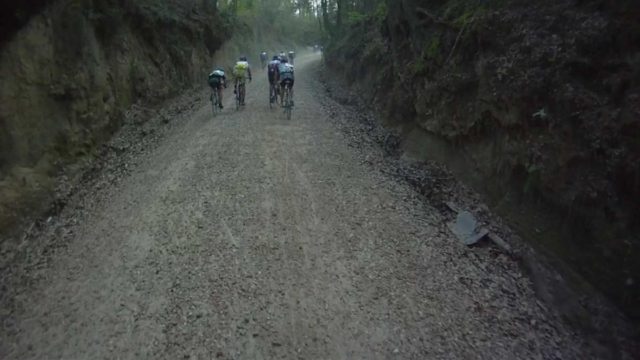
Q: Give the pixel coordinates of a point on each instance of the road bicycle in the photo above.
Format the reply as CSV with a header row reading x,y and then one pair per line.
x,y
287,102
240,92
273,95
215,102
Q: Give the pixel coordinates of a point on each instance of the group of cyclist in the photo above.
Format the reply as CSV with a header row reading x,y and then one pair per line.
x,y
280,73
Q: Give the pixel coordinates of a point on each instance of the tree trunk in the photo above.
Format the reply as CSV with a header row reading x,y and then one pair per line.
x,y
339,14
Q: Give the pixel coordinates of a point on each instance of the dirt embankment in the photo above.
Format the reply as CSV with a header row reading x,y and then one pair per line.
x,y
542,97
69,73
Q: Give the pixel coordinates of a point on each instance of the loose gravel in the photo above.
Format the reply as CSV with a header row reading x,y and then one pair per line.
x,y
249,236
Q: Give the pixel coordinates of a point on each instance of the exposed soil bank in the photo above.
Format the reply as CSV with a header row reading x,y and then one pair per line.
x,y
540,100
69,75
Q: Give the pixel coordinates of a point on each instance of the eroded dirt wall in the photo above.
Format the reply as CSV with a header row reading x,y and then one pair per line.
x,y
543,98
68,75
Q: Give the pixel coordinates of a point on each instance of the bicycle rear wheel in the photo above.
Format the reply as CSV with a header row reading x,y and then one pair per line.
x,y
287,103
215,103
237,97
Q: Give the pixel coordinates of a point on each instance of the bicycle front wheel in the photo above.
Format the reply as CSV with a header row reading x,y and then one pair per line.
x,y
238,98
287,103
214,103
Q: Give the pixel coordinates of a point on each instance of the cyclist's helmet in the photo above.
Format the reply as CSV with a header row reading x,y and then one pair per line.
x,y
243,58
276,57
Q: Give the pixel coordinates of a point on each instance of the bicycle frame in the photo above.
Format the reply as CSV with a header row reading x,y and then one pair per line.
x,y
215,101
287,101
273,94
240,93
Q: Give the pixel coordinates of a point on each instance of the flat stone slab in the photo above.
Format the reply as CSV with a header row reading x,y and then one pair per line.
x,y
466,228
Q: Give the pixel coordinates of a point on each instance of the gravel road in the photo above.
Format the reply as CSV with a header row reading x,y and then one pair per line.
x,y
248,236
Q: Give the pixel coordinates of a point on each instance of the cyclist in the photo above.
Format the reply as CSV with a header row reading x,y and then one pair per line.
x,y
286,78
282,55
292,55
273,74
263,58
217,80
241,71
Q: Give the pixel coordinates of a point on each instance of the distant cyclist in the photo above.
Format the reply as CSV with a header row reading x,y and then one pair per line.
x,y
241,71
282,55
273,74
263,59
292,55
285,77
217,80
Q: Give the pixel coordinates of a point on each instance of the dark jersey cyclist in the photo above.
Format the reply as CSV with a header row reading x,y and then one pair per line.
x,y
263,59
218,79
273,74
286,76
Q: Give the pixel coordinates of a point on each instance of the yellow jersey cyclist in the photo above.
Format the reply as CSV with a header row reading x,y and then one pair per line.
x,y
241,71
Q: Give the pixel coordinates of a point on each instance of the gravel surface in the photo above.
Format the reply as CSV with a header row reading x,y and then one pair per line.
x,y
248,236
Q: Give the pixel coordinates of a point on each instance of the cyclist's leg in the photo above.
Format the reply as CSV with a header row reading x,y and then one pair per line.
x,y
272,91
282,92
220,95
291,82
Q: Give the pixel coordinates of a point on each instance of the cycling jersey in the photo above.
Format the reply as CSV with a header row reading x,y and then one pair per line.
x,y
217,78
241,70
272,70
285,71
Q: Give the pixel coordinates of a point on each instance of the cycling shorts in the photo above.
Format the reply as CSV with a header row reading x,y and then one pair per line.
x,y
215,82
287,82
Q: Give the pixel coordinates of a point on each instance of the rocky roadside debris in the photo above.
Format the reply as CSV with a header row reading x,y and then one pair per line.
x,y
558,289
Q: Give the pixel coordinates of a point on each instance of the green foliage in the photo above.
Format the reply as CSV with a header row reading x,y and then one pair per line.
x,y
467,16
533,180
419,67
430,58
461,12
272,21
359,17
381,12
432,51
354,18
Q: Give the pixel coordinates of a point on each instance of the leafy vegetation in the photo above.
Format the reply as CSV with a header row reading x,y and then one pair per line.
x,y
274,21
287,22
